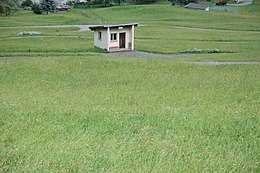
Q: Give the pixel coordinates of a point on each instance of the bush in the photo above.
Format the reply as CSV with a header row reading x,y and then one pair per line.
x,y
198,51
29,33
144,1
27,3
183,2
36,8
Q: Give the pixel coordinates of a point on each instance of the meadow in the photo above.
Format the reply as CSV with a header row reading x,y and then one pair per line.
x,y
65,111
94,114
165,29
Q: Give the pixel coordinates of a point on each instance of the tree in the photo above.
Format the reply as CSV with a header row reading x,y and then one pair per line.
x,y
119,1
6,6
36,8
142,1
182,2
27,3
47,6
107,3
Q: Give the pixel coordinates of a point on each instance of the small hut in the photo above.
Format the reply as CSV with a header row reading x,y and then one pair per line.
x,y
114,37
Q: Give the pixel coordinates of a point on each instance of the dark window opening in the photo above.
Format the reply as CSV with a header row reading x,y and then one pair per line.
x,y
99,35
113,37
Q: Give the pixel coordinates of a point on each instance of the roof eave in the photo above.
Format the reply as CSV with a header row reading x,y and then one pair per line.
x,y
112,26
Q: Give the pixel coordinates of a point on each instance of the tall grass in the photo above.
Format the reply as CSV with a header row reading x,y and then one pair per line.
x,y
95,114
105,114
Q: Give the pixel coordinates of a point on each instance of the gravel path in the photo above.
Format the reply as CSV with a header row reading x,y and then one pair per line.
x,y
136,54
86,28
81,27
146,54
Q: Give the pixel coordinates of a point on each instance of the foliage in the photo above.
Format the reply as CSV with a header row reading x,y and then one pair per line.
x,y
36,8
29,33
93,3
119,2
107,3
183,2
143,1
198,51
27,3
47,6
6,6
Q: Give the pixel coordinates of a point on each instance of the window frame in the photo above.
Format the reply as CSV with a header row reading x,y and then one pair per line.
x,y
113,37
99,35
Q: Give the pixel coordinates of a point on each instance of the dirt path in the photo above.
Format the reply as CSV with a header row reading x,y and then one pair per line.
x,y
146,54
138,54
86,28
81,27
135,54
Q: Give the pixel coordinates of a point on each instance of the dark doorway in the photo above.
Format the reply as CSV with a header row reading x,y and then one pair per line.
x,y
121,40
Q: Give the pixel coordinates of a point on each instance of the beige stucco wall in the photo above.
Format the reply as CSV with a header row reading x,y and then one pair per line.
x,y
103,42
106,43
128,39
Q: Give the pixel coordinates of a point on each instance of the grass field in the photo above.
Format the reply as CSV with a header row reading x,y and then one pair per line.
x,y
128,115
228,32
67,112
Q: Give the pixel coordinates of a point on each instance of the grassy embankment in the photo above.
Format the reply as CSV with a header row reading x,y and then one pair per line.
x,y
100,114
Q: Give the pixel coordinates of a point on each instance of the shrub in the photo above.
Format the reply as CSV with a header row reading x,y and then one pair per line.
x,y
27,3
36,8
183,2
29,33
198,51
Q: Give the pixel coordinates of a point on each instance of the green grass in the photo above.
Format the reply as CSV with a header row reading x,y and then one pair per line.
x,y
47,45
169,39
95,114
169,15
237,33
68,112
57,40
224,57
27,18
148,38
72,31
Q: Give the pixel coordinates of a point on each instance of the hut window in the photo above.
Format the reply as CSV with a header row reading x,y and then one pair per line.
x,y
113,37
99,35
